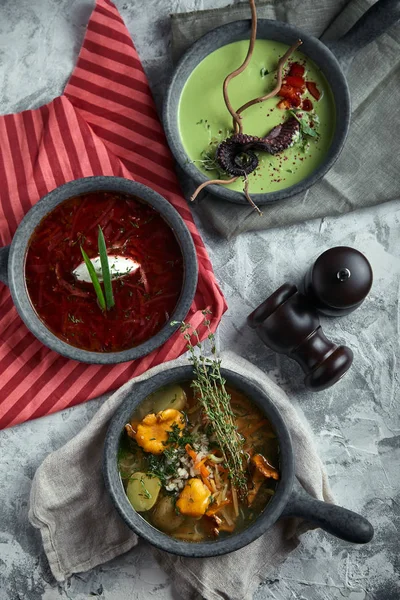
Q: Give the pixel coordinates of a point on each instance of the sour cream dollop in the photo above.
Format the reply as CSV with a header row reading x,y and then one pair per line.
x,y
120,266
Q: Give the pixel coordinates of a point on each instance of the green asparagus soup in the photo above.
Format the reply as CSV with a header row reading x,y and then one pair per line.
x,y
204,120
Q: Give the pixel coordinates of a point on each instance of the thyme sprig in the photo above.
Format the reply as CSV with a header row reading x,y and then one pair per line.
x,y
209,386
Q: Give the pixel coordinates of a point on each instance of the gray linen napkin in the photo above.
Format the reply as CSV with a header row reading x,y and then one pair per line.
x,y
367,172
81,529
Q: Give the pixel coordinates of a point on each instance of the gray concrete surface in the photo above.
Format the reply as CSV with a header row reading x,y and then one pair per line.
x,y
356,423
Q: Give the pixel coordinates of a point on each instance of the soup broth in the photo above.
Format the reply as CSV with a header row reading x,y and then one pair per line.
x,y
145,297
204,120
174,473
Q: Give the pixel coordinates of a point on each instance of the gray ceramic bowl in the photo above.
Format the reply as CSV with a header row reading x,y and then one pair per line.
x,y
332,61
12,265
290,499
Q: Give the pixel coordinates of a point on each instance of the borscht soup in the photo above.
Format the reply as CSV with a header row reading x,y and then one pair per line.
x,y
174,471
145,271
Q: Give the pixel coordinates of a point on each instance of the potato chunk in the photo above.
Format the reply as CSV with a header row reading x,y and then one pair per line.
x,y
171,396
143,490
194,499
164,515
152,432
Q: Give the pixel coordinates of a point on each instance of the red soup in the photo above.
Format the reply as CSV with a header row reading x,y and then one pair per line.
x,y
144,298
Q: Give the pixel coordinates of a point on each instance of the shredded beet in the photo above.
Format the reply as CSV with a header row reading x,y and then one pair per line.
x,y
143,298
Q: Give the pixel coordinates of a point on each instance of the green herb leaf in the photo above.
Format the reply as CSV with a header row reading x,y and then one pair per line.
x,y
304,124
105,269
308,130
263,72
95,280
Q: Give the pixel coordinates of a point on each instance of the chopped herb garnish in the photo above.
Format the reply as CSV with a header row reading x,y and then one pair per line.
x,y
179,437
146,492
263,72
74,319
163,465
304,121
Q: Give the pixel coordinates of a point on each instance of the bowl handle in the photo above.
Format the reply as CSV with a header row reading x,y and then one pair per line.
x,y
4,253
340,522
374,22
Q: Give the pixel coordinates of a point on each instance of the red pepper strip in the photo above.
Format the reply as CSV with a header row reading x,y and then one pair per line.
x,y
314,91
290,93
297,82
307,105
297,70
283,104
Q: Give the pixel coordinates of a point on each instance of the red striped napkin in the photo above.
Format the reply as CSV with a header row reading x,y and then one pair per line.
x,y
105,123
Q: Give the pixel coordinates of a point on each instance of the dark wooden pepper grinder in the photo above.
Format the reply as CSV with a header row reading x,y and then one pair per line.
x,y
288,321
339,281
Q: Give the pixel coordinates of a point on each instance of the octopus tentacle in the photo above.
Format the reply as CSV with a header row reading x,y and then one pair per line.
x,y
282,136
236,156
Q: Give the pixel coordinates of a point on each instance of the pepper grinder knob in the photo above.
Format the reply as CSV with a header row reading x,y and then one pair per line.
x,y
339,281
289,324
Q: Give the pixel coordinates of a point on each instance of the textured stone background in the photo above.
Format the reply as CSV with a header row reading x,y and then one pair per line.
x,y
357,423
